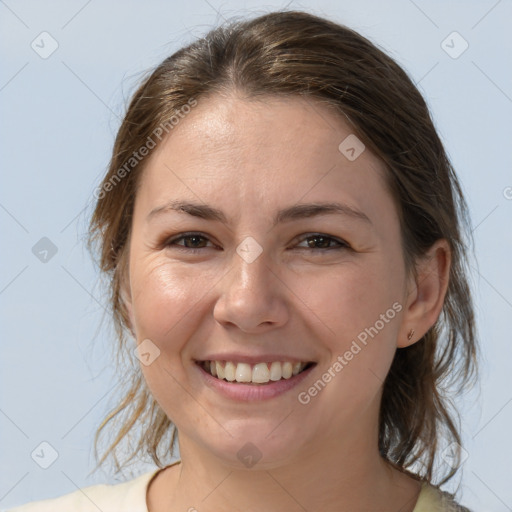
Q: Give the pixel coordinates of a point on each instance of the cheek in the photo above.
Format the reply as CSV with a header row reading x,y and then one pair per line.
x,y
360,308
166,298
354,297
166,304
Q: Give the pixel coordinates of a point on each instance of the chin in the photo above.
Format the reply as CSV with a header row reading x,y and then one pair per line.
x,y
259,446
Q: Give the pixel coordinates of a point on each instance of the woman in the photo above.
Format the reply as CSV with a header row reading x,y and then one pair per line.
x,y
283,234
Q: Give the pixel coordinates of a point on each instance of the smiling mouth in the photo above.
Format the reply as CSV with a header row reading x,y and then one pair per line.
x,y
260,373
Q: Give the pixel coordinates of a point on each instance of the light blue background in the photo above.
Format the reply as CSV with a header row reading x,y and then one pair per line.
x,y
58,120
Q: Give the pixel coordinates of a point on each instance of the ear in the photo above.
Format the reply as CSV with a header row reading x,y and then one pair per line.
x,y
425,293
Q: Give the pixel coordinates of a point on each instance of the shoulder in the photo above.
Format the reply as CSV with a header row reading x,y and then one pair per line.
x,y
128,496
432,499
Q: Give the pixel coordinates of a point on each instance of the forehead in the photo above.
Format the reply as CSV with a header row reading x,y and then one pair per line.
x,y
268,127
264,152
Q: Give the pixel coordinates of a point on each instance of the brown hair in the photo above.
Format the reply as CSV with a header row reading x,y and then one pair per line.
x,y
289,53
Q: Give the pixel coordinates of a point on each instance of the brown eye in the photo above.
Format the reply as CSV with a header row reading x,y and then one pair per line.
x,y
318,241
188,241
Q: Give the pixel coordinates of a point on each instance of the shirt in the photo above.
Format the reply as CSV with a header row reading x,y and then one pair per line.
x,y
130,496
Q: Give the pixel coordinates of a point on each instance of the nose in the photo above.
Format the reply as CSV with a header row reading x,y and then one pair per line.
x,y
252,296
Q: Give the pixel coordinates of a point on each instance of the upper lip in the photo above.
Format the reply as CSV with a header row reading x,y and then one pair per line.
x,y
254,359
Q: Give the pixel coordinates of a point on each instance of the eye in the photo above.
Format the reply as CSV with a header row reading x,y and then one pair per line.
x,y
192,242
321,242
195,242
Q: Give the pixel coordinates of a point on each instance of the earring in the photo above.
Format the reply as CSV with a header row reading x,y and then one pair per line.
x,y
410,335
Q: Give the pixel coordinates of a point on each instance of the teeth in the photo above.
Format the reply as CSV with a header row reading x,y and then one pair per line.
x,y
275,371
260,373
243,372
230,371
219,370
287,370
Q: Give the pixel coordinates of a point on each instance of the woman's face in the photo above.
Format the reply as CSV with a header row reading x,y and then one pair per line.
x,y
269,275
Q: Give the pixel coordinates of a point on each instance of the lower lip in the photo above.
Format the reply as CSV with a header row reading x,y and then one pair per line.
x,y
246,392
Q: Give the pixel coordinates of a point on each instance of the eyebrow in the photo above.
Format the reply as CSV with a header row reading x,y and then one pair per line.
x,y
295,212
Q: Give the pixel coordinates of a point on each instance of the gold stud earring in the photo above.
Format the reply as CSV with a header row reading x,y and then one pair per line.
x,y
411,334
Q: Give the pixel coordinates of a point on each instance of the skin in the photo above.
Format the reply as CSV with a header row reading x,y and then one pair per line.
x,y
250,159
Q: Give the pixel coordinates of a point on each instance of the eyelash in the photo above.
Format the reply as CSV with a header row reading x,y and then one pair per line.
x,y
341,243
